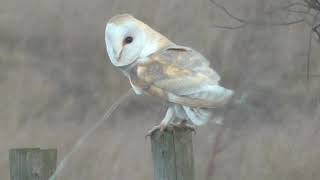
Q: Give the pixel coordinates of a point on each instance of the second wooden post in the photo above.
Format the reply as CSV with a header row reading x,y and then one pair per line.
x,y
172,153
32,163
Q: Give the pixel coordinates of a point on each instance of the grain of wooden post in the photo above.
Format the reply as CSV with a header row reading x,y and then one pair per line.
x,y
32,163
173,154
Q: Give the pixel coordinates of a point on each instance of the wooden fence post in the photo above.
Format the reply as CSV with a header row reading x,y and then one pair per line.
x,y
32,163
173,154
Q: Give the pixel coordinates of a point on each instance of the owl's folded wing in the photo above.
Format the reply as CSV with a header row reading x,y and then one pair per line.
x,y
186,58
180,76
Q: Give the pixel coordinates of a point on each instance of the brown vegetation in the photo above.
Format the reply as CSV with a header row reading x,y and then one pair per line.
x,y
56,81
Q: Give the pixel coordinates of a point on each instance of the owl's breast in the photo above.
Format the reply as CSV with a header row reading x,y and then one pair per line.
x,y
142,82
139,86
137,89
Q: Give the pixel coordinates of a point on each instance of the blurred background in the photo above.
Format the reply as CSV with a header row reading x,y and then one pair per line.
x,y
56,81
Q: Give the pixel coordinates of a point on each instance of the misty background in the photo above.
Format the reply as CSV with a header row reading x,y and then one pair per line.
x,y
56,81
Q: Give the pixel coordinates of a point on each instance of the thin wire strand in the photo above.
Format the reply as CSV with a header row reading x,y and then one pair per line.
x,y
82,139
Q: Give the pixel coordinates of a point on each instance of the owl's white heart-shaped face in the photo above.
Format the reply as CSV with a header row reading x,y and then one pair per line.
x,y
128,39
124,42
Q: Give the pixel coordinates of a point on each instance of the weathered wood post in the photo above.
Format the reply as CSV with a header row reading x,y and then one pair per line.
x,y
32,163
173,154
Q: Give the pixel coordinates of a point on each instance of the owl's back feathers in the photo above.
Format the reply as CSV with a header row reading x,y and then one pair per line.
x,y
187,58
180,75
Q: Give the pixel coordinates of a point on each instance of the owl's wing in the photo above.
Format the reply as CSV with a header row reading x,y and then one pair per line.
x,y
187,58
180,75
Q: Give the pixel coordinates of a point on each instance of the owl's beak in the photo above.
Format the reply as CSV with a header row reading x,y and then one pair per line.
x,y
119,55
116,49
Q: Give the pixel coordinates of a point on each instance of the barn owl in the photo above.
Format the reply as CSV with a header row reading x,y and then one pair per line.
x,y
156,66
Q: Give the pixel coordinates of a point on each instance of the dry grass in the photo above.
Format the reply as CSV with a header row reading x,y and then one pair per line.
x,y
55,83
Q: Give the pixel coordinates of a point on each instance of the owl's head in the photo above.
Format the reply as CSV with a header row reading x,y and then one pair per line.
x,y
128,39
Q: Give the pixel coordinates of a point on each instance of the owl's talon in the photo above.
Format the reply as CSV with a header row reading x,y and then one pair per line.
x,y
160,127
183,124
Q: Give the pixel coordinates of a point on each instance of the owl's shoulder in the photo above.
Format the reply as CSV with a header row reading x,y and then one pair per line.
x,y
181,56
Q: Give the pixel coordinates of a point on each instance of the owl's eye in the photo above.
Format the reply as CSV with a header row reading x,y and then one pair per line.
x,y
128,40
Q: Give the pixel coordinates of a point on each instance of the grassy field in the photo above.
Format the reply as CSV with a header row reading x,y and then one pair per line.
x,y
56,81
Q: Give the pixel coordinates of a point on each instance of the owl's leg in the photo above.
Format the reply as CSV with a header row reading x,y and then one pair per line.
x,y
183,124
170,115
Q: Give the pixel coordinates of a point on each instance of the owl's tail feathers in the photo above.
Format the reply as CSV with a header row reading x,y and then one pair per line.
x,y
213,93
198,116
219,94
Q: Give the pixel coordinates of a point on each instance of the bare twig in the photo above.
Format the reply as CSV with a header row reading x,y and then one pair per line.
x,y
288,7
310,48
242,22
245,22
286,23
229,27
316,29
314,4
227,12
308,4
307,12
